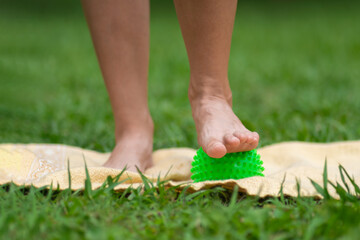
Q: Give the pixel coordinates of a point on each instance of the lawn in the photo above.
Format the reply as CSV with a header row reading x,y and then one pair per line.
x,y
295,75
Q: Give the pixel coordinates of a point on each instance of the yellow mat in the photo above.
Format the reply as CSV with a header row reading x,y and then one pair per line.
x,y
46,164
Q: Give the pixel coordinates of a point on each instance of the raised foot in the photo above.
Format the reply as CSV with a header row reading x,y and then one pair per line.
x,y
219,130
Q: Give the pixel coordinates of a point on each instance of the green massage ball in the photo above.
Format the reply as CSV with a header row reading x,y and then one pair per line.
x,y
231,166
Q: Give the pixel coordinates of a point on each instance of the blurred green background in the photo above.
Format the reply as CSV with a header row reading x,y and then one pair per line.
x,y
294,71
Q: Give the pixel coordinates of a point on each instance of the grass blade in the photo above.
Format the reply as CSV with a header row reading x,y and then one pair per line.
x,y
281,193
69,173
325,181
88,187
234,195
318,188
356,187
343,178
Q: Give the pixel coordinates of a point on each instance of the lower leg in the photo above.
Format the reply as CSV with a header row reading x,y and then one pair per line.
x,y
120,33
207,29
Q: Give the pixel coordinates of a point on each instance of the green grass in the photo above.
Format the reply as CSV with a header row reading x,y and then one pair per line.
x,y
294,71
167,213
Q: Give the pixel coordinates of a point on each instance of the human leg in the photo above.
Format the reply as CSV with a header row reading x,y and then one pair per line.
x,y
207,27
120,33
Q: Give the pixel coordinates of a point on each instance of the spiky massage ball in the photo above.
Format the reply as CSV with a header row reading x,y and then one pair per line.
x,y
231,166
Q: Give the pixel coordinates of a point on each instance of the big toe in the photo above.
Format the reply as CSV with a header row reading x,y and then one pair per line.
x,y
215,149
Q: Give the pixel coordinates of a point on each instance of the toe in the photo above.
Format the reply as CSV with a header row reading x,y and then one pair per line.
x,y
254,140
256,136
248,140
241,136
215,149
231,141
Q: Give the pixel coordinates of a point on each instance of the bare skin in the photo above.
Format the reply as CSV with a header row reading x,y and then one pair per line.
x,y
207,27
120,32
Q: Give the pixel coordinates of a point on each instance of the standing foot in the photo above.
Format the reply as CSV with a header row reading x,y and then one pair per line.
x,y
133,150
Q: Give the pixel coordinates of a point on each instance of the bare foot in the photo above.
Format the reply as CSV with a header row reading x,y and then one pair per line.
x,y
219,130
133,149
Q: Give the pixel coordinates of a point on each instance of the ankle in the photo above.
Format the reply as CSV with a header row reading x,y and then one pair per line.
x,y
142,129
203,89
206,99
